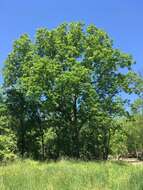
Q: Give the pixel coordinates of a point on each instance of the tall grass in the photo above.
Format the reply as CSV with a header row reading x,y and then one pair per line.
x,y
71,175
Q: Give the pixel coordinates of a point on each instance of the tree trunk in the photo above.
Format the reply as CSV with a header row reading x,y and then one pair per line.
x,y
42,140
22,138
75,128
106,141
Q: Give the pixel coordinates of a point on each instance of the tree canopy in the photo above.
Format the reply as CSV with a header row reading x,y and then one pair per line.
x,y
64,91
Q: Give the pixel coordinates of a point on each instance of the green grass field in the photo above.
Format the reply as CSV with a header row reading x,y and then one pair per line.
x,y
71,175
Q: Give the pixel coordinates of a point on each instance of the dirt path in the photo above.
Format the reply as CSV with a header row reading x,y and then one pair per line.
x,y
133,161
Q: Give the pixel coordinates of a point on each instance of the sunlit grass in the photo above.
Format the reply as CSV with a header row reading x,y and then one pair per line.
x,y
71,175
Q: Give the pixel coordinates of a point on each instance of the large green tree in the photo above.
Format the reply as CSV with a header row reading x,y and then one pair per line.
x,y
75,77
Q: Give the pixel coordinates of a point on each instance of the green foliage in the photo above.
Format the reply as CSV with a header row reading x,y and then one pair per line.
x,y
7,137
118,143
7,147
135,134
50,144
66,84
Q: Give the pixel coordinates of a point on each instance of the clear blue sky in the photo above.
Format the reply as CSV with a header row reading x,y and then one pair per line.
x,y
122,19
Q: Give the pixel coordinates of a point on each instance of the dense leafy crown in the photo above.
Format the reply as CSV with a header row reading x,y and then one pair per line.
x,y
68,82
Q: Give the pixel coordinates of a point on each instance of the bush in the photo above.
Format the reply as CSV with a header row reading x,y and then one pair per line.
x,y
118,144
7,147
50,139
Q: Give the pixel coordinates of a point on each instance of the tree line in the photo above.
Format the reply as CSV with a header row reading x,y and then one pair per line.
x,y
63,96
